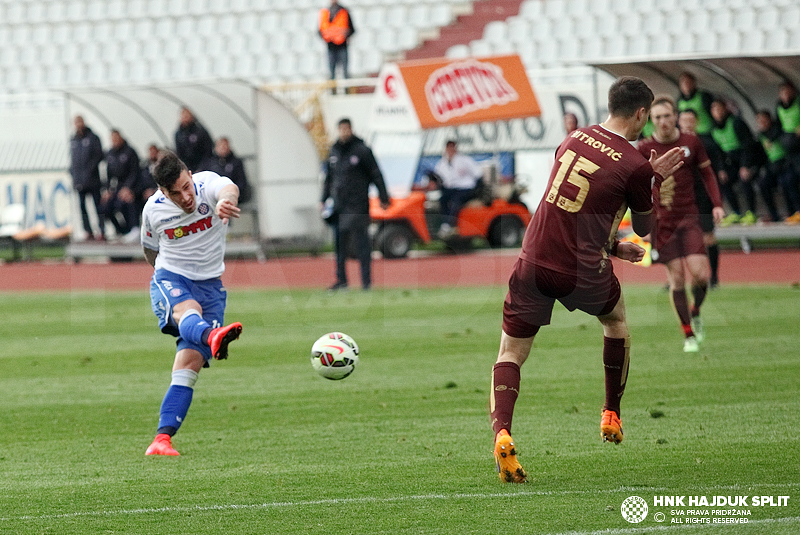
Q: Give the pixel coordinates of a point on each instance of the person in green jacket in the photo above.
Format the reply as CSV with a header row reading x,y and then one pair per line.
x,y
776,170
740,161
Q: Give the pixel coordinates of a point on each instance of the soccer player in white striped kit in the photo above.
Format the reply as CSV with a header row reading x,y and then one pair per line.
x,y
184,225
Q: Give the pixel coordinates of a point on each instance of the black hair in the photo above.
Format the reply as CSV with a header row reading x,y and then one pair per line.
x,y
168,169
345,121
627,95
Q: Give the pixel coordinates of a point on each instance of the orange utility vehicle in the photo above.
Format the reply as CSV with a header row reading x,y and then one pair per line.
x,y
500,219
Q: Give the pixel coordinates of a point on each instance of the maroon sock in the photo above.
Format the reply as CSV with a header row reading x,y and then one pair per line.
x,y
616,353
681,304
699,294
505,389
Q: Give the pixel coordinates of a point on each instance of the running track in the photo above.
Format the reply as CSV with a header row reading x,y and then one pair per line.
x,y
474,269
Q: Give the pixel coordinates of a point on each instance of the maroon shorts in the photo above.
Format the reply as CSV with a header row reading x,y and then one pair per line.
x,y
679,240
533,290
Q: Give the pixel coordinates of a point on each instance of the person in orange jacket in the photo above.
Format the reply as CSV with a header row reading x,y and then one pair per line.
x,y
335,28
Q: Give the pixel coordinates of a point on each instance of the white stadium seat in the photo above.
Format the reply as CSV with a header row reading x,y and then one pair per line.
x,y
495,31
371,61
420,16
407,38
287,65
776,40
639,45
790,18
35,13
698,20
397,16
257,43
375,17
290,21
730,41
531,9
56,12
458,52
364,39
683,43
676,21
441,14
752,42
706,42
528,52
744,19
386,40
721,19
556,9
519,29
794,40
480,48
270,22
504,48
768,18
56,76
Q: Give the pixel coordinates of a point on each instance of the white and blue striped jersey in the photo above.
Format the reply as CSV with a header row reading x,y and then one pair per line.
x,y
192,245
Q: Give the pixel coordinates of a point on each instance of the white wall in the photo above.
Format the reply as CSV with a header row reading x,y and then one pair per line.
x,y
289,170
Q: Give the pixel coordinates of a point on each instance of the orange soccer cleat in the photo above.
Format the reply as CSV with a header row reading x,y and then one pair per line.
x,y
162,445
610,427
220,337
505,455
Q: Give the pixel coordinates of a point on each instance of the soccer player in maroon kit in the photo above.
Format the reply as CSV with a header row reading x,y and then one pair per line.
x,y
598,174
678,238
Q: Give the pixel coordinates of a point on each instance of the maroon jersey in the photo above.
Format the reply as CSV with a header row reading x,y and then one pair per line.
x,y
597,175
677,190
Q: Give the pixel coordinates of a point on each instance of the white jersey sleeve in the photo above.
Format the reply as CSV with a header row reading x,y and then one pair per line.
x,y
192,245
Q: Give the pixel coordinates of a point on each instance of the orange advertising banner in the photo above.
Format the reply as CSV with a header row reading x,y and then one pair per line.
x,y
469,90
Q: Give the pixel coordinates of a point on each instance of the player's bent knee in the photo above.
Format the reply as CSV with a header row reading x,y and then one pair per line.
x,y
188,359
184,307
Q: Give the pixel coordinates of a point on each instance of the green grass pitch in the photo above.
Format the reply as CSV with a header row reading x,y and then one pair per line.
x,y
403,445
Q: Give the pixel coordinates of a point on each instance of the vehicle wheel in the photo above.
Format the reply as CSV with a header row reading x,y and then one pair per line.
x,y
394,241
506,231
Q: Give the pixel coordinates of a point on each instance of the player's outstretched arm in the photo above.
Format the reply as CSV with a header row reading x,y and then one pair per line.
x,y
666,164
228,203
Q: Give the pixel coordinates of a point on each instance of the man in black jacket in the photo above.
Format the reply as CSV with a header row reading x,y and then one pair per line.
x,y
226,163
350,169
118,202
86,153
193,143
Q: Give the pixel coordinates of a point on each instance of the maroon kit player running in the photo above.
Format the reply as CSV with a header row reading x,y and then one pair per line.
x,y
678,238
598,174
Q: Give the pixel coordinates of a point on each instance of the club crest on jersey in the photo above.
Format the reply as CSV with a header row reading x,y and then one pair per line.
x,y
185,230
686,151
203,208
175,292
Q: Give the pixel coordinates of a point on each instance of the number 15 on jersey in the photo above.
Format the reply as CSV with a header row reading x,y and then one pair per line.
x,y
575,178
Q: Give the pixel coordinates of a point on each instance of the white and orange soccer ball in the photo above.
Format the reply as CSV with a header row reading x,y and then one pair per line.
x,y
334,355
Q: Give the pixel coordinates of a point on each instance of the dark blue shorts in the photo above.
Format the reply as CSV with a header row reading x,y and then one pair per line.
x,y
167,289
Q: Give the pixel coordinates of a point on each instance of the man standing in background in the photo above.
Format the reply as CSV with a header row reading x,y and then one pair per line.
x,y
350,169
193,143
86,153
335,28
